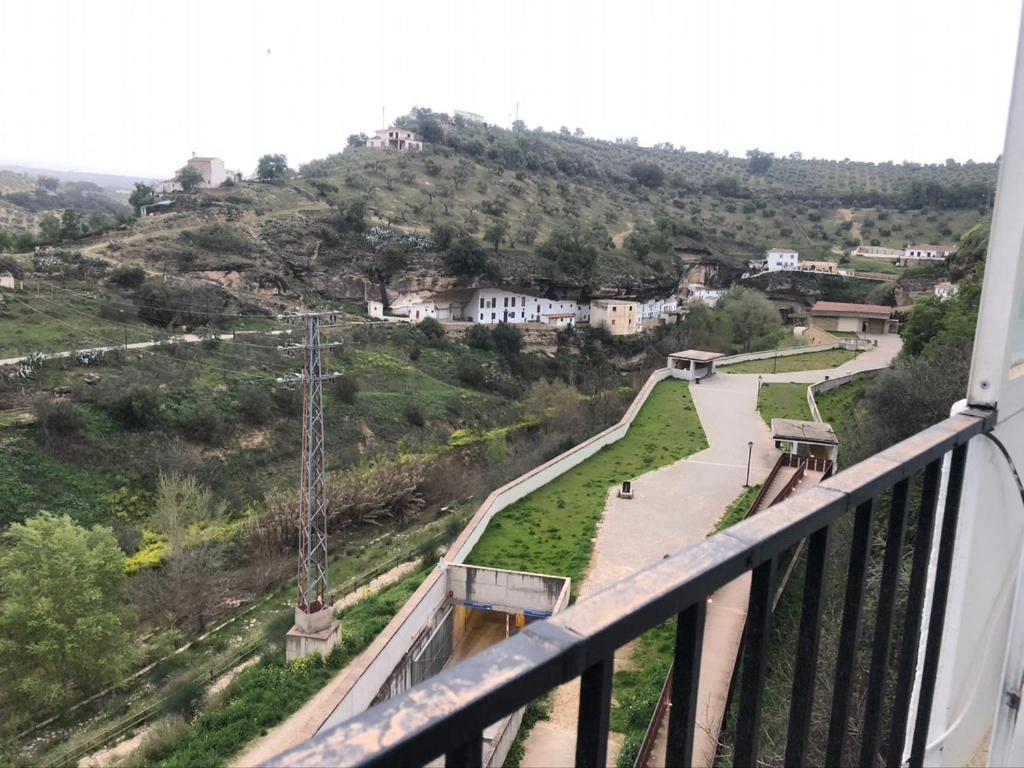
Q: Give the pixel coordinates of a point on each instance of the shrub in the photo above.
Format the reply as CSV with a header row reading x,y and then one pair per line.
x,y
479,337
134,405
507,339
345,389
204,423
414,415
218,238
255,405
56,419
470,373
127,277
430,328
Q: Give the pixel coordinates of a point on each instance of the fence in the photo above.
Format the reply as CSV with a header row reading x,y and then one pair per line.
x,y
447,714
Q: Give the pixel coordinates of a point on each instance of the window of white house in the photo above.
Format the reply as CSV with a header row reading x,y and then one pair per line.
x,y
481,302
492,315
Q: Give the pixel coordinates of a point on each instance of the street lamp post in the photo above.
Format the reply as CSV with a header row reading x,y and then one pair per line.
x,y
750,451
757,398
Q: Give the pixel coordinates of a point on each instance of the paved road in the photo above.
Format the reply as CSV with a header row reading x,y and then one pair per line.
x,y
677,506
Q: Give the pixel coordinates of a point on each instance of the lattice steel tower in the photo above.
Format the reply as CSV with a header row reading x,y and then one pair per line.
x,y
313,596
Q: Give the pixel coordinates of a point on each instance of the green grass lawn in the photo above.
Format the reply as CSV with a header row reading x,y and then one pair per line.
x,y
812,361
738,509
551,530
783,401
838,408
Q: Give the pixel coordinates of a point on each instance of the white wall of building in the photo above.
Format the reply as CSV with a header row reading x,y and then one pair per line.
x,y
781,260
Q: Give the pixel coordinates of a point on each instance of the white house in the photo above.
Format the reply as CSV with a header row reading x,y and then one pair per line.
x,y
782,260
704,295
927,252
394,138
9,281
495,305
211,169
653,310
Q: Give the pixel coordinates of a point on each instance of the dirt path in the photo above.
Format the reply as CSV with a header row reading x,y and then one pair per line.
x,y
620,237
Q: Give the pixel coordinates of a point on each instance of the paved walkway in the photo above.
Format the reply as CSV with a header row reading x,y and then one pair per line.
x,y
674,507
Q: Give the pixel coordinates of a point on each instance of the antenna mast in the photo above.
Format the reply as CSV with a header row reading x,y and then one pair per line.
x,y
316,630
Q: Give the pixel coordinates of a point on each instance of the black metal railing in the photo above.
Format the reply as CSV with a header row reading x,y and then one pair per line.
x,y
447,714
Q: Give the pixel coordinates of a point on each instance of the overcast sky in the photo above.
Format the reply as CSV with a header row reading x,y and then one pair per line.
x,y
137,86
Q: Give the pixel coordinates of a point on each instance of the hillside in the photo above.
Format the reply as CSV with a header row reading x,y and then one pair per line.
x,y
553,212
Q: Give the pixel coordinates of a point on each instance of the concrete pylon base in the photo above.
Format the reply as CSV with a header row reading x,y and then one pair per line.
x,y
316,632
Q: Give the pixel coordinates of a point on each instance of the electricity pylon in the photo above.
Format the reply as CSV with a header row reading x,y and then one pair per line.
x,y
313,616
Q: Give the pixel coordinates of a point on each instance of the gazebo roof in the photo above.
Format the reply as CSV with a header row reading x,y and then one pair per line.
x,y
697,355
804,431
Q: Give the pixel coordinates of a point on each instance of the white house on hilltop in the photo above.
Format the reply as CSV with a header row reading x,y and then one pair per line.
x,y
394,138
782,260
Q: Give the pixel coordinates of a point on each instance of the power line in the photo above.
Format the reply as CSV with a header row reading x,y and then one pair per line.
x,y
150,350
127,327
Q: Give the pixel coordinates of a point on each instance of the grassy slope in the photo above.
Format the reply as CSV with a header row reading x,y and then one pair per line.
x,y
70,322
783,401
552,529
251,458
265,695
812,361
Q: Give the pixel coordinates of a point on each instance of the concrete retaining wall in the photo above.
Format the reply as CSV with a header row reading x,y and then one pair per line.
x,y
828,385
747,356
366,674
506,591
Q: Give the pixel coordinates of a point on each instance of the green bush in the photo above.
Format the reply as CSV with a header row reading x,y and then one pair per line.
x,y
346,389
56,419
218,238
132,405
414,415
204,423
127,277
255,404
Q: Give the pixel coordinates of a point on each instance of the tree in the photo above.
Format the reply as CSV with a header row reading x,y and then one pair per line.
x,y
495,233
71,227
759,162
752,316
48,183
648,174
444,234
384,265
63,626
507,339
573,249
357,140
143,194
272,168
465,257
49,228
188,177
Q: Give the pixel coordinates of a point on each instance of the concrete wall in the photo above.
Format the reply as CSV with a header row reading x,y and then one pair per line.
x,y
816,335
506,591
359,683
768,355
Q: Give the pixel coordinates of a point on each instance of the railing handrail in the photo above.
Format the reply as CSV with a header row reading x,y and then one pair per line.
x,y
418,725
